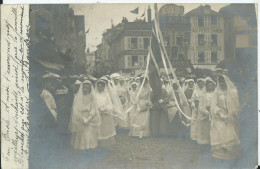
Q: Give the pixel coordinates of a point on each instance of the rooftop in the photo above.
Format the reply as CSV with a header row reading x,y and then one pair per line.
x,y
202,10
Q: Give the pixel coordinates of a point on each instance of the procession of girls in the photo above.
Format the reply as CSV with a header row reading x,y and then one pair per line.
x,y
207,110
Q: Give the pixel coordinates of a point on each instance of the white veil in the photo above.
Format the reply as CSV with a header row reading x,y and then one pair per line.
x,y
82,102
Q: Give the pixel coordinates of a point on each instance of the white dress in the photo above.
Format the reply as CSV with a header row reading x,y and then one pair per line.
x,y
141,119
197,95
84,122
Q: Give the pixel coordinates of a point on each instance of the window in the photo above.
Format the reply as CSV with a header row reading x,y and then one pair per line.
x,y
213,20
167,41
201,39
214,40
140,43
214,57
174,50
128,61
201,57
180,56
134,61
179,40
140,61
201,21
133,43
146,43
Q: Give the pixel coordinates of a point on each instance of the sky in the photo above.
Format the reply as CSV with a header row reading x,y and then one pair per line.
x,y
98,17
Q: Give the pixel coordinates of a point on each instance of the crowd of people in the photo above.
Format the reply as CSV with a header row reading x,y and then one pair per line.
x,y
94,110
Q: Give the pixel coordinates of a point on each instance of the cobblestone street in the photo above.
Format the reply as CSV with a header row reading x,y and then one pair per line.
x,y
150,152
129,152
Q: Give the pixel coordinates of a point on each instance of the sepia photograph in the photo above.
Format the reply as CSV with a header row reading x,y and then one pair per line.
x,y
133,86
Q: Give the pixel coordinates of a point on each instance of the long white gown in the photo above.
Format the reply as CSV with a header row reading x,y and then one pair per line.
x,y
197,95
105,109
141,119
225,113
84,122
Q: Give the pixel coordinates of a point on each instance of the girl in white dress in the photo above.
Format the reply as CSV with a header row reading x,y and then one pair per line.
x,y
225,113
197,95
105,109
85,119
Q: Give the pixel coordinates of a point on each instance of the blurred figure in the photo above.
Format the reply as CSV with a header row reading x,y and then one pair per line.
x,y
141,119
115,79
85,119
63,100
119,115
189,90
169,110
181,82
123,95
174,123
197,95
225,113
105,108
133,103
203,118
75,87
137,80
49,118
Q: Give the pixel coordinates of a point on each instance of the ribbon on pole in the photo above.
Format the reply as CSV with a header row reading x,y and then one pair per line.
x,y
159,36
142,85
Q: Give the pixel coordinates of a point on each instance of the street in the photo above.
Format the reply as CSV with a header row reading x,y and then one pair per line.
x,y
128,152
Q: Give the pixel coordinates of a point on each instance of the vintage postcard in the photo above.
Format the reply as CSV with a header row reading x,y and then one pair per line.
x,y
129,86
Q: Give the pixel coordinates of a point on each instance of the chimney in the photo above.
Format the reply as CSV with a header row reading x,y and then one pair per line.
x,y
149,14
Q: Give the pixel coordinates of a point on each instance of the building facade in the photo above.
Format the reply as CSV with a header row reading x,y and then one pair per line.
x,y
90,63
80,47
55,37
240,32
206,37
125,46
131,47
175,27
195,38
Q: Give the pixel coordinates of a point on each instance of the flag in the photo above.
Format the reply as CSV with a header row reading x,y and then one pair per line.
x,y
135,11
87,30
154,75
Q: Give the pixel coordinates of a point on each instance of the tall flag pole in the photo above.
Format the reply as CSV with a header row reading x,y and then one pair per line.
x,y
154,74
164,56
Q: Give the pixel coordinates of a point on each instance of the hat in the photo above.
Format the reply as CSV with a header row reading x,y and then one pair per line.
x,y
104,78
182,79
134,83
189,80
210,80
86,81
50,75
220,71
115,76
78,82
201,79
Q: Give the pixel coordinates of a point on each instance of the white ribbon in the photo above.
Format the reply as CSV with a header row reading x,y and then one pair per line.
x,y
161,41
142,85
